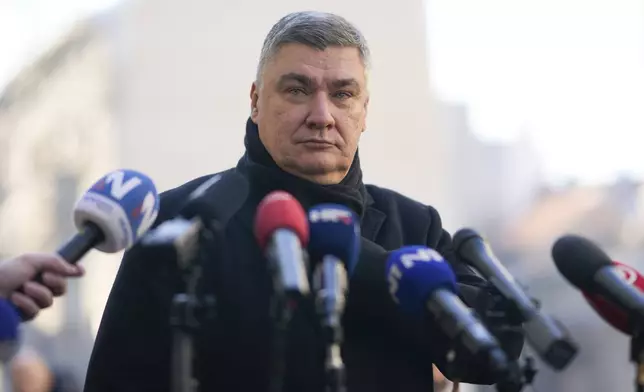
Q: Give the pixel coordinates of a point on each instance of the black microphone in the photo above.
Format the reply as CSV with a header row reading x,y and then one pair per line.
x,y
229,189
210,206
546,335
182,239
589,268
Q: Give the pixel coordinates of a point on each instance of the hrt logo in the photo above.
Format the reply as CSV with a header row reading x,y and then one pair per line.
x,y
331,215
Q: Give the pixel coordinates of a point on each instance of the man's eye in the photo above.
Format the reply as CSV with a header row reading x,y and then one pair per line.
x,y
343,95
296,91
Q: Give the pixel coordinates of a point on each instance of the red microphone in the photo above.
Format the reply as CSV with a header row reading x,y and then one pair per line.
x,y
610,312
282,231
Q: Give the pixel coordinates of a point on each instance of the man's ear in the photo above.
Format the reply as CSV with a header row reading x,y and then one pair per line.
x,y
254,99
366,110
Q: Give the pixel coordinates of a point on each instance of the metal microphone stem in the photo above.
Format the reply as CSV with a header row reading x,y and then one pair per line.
x,y
331,284
181,238
637,357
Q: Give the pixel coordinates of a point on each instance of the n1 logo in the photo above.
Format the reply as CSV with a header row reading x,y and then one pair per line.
x,y
421,255
118,188
394,279
408,258
149,213
330,215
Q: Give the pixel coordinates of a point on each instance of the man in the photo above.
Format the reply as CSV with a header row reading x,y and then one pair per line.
x,y
19,272
308,109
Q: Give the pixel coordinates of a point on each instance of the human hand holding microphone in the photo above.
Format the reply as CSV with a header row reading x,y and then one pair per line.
x,y
110,216
19,272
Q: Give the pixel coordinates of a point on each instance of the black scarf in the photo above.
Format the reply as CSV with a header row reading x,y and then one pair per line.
x,y
265,176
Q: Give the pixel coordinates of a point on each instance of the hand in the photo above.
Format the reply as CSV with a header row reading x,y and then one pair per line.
x,y
19,272
441,383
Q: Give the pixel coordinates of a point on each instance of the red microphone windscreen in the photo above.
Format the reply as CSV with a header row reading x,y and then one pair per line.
x,y
280,210
610,312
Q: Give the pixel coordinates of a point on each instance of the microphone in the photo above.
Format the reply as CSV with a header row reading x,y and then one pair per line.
x,y
334,243
182,239
335,231
113,214
229,189
281,230
419,279
546,335
211,205
588,268
613,314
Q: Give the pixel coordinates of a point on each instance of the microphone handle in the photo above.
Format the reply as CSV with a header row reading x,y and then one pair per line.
x,y
81,243
78,246
476,252
459,322
551,341
291,284
330,285
288,263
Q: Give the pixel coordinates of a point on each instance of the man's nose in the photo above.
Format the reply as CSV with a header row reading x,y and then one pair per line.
x,y
320,115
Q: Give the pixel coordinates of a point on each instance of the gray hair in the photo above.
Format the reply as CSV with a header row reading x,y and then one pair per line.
x,y
318,30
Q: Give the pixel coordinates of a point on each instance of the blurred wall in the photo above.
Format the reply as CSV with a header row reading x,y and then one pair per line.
x,y
56,138
489,184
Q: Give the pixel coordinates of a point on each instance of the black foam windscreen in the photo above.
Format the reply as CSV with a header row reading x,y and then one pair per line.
x,y
461,237
578,259
218,198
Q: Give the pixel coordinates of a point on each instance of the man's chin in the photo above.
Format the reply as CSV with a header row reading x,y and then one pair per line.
x,y
321,172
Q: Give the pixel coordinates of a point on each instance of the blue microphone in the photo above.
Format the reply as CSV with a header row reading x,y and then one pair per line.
x,y
112,215
334,243
9,323
335,231
419,280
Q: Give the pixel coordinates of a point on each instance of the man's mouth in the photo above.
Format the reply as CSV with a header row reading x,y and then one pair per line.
x,y
317,143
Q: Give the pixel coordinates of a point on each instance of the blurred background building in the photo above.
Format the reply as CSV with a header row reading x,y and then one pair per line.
x,y
137,83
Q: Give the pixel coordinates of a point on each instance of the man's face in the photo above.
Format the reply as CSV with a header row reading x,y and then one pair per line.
x,y
311,109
